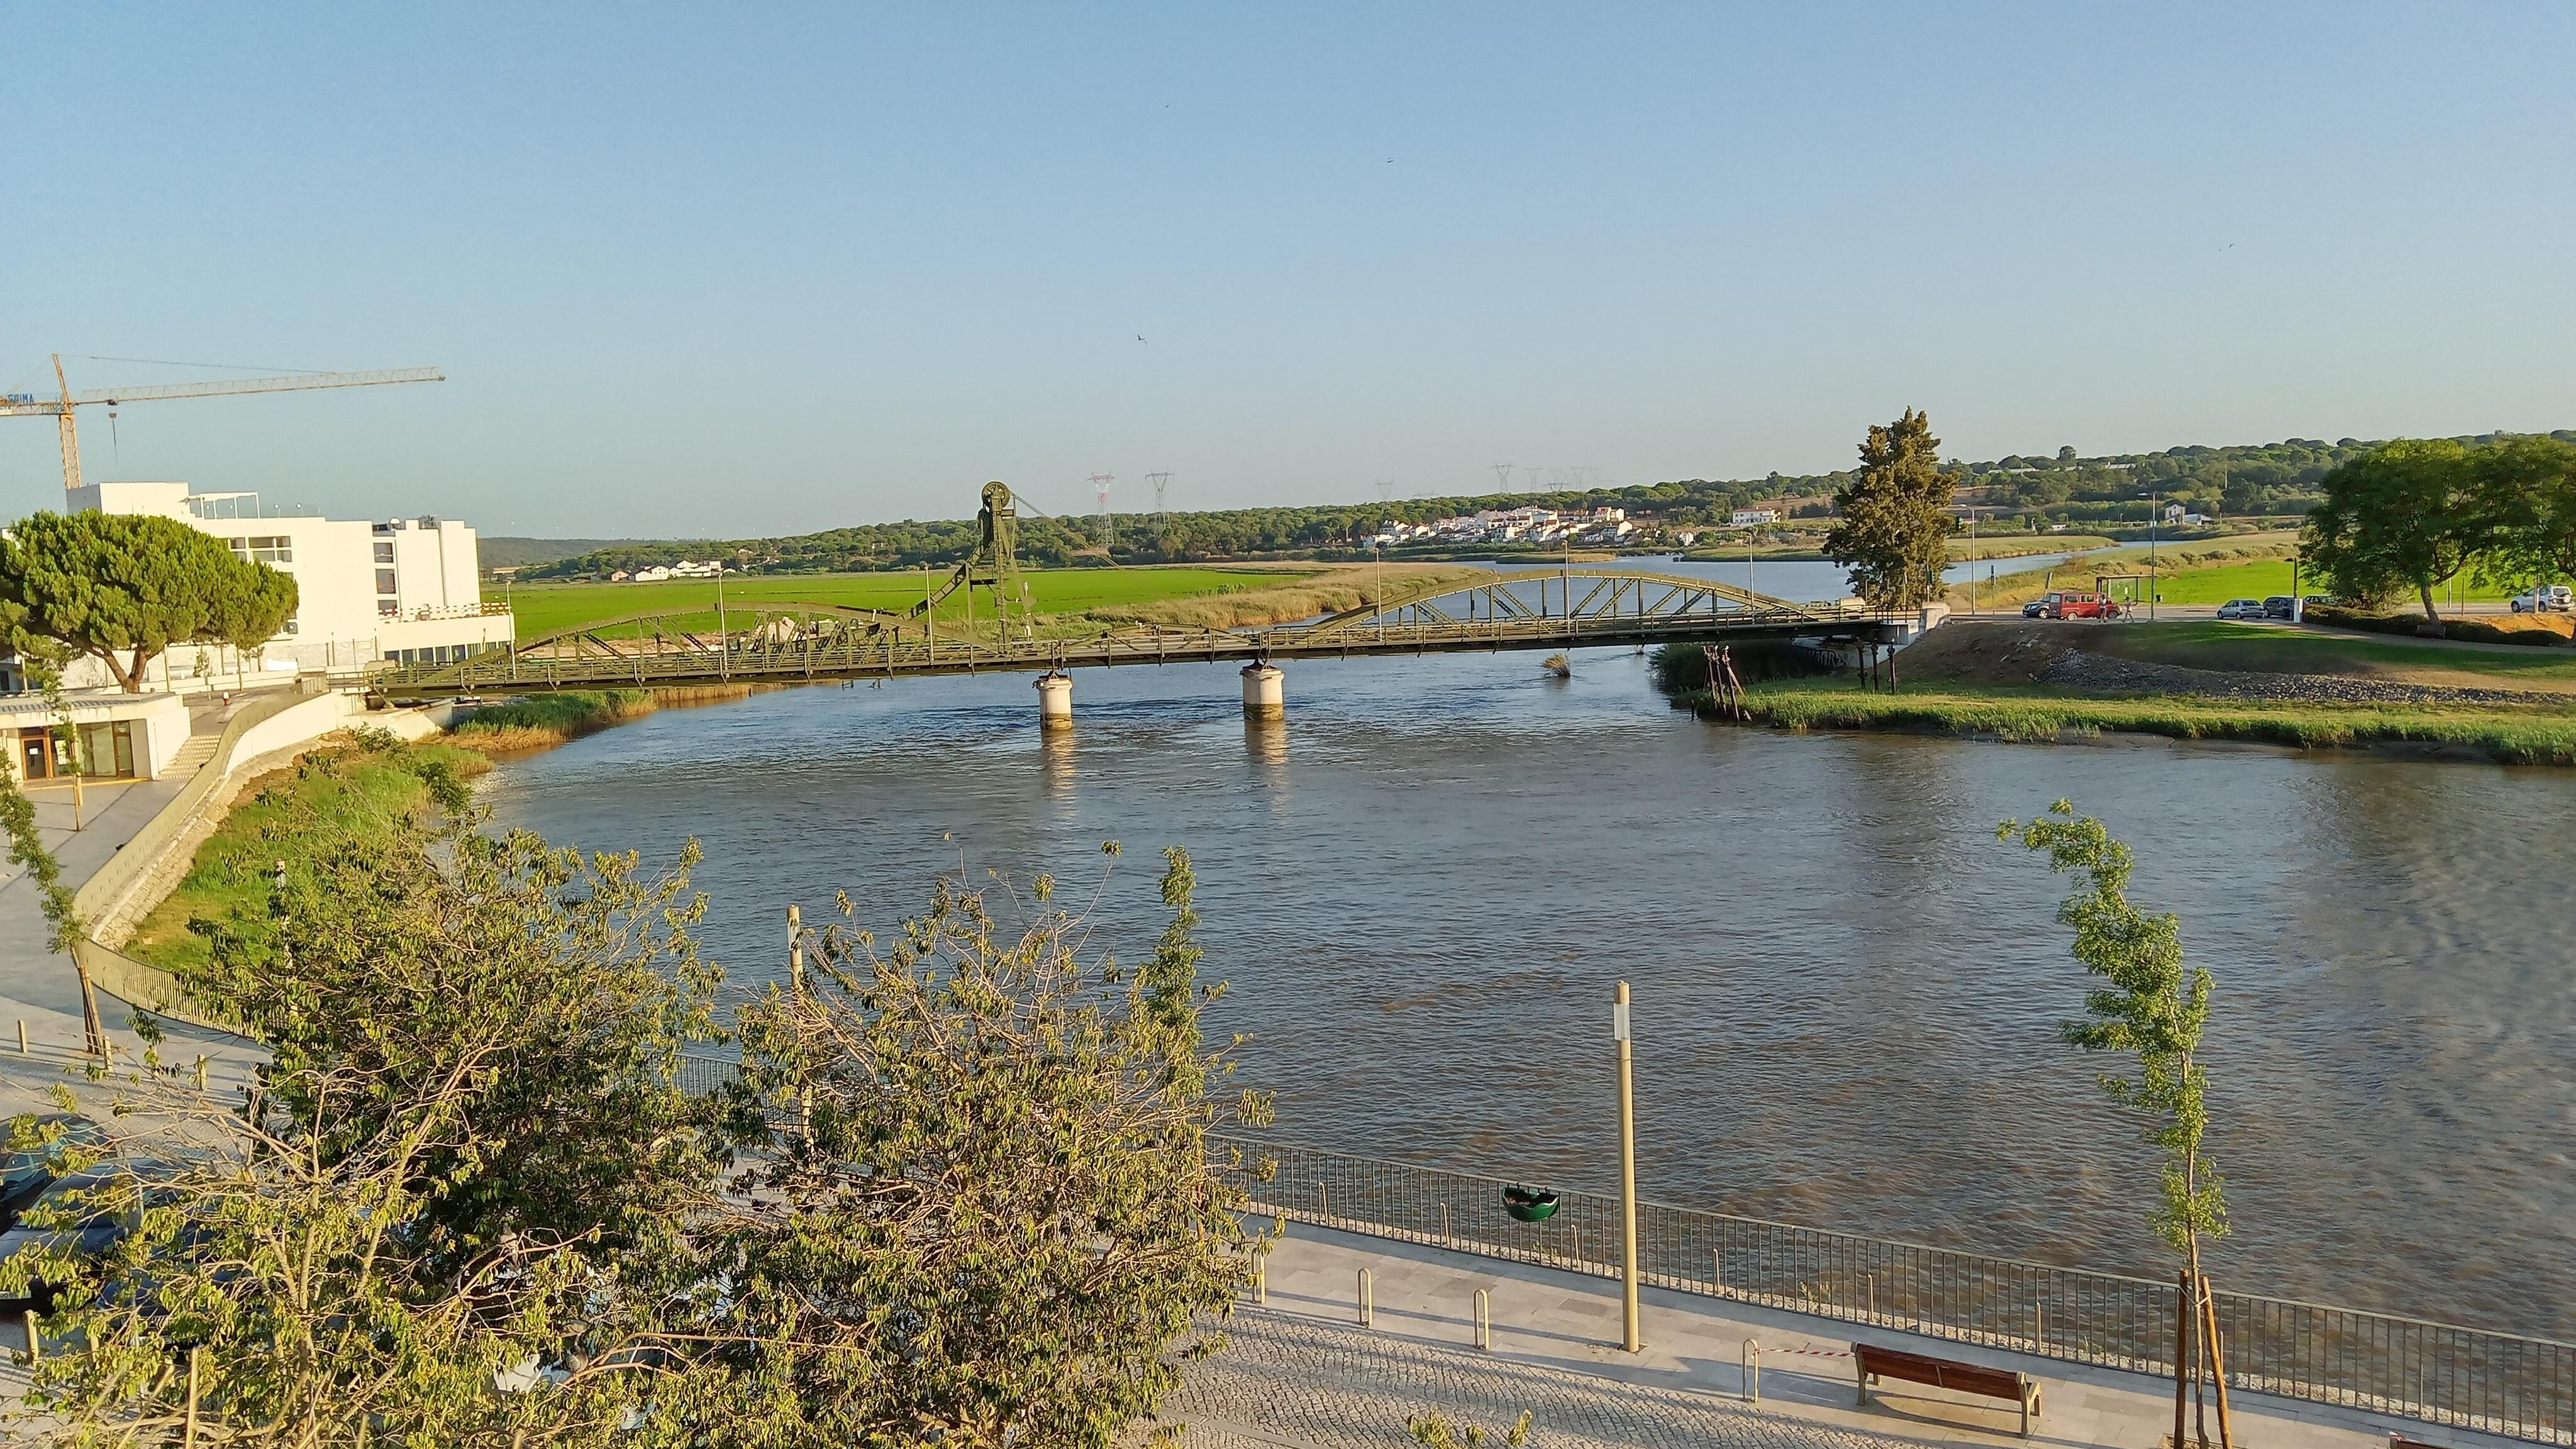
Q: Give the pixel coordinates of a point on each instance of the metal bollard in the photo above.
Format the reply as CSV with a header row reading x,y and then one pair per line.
x,y
201,1071
1261,1279
22,1036
1368,1300
1752,1372
35,1345
1484,1319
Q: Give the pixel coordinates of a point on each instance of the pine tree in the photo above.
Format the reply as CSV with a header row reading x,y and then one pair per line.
x,y
1893,528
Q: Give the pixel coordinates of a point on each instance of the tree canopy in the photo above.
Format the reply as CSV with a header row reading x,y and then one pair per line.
x,y
122,588
2527,488
964,1189
1895,522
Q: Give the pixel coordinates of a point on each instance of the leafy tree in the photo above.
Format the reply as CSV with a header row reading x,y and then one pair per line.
x,y
989,1205
2153,1008
1895,521
570,984
123,588
2527,486
63,925
466,1203
467,1155
275,1272
2408,514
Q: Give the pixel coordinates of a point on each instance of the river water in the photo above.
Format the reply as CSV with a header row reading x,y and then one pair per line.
x,y
1847,992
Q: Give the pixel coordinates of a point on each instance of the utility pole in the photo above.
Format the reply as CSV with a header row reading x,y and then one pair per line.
x,y
1502,477
1101,482
1629,1339
1160,481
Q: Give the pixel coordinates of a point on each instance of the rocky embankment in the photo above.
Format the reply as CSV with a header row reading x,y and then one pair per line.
x,y
2083,669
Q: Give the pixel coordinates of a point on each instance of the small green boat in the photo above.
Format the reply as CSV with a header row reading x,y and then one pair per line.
x,y
1529,1204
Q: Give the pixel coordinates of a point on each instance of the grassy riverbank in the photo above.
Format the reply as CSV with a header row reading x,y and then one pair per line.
x,y
364,784
2533,735
539,721
2011,680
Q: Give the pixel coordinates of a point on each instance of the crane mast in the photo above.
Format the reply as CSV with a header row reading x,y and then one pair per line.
x,y
65,427
62,411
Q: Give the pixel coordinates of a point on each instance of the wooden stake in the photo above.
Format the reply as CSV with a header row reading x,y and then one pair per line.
x,y
2217,1360
190,1441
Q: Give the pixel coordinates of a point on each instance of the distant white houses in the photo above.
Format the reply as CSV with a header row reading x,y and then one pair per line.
x,y
1754,517
661,572
1514,525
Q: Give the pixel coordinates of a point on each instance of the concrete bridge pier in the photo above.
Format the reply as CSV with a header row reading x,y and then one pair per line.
x,y
1264,698
1055,700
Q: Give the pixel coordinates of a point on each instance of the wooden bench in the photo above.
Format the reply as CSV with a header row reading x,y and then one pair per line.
x,y
1874,1363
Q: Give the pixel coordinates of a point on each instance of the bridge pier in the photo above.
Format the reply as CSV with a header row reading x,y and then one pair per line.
x,y
1055,700
1264,697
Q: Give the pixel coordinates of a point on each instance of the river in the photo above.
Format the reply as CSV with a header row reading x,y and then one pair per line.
x,y
1847,992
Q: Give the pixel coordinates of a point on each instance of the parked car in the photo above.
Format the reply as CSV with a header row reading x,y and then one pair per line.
x,y
26,1174
2546,599
2241,609
2082,604
2279,606
101,1216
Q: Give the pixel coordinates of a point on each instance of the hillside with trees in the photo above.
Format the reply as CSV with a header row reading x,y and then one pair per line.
x,y
2269,483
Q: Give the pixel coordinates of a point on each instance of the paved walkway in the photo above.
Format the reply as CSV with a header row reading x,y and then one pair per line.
x,y
1301,1372
38,986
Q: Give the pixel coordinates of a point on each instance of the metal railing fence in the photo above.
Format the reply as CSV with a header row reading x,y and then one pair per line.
x,y
2497,1383
2470,1378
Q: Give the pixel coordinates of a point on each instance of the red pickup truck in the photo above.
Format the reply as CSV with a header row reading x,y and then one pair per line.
x,y
2081,604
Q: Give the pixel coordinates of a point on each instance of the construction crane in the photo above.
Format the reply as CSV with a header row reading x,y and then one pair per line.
x,y
28,405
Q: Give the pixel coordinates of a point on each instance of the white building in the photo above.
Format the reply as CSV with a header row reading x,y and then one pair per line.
x,y
406,589
1754,517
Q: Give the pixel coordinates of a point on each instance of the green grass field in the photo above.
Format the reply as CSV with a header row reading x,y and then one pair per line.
x,y
2533,735
2263,649
543,609
2263,579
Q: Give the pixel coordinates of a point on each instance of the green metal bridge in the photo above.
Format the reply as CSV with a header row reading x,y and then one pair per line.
x,y
784,643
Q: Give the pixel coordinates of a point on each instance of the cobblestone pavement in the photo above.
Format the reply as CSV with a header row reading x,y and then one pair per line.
x,y
1283,1380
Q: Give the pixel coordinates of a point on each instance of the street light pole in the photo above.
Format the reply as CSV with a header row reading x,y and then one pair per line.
x,y
1628,1339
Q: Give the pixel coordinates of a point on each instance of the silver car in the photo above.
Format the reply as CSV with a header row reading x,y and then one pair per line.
x,y
2241,609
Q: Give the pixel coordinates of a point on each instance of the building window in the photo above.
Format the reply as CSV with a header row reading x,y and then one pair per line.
x,y
384,553
269,548
388,607
107,750
385,582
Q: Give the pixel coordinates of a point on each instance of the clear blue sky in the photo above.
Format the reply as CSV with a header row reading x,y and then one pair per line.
x,y
706,271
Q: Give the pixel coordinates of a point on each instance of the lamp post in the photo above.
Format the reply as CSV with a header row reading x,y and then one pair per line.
x,y
1628,1337
2154,507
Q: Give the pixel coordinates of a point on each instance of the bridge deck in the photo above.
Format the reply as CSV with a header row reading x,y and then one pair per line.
x,y
1500,611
